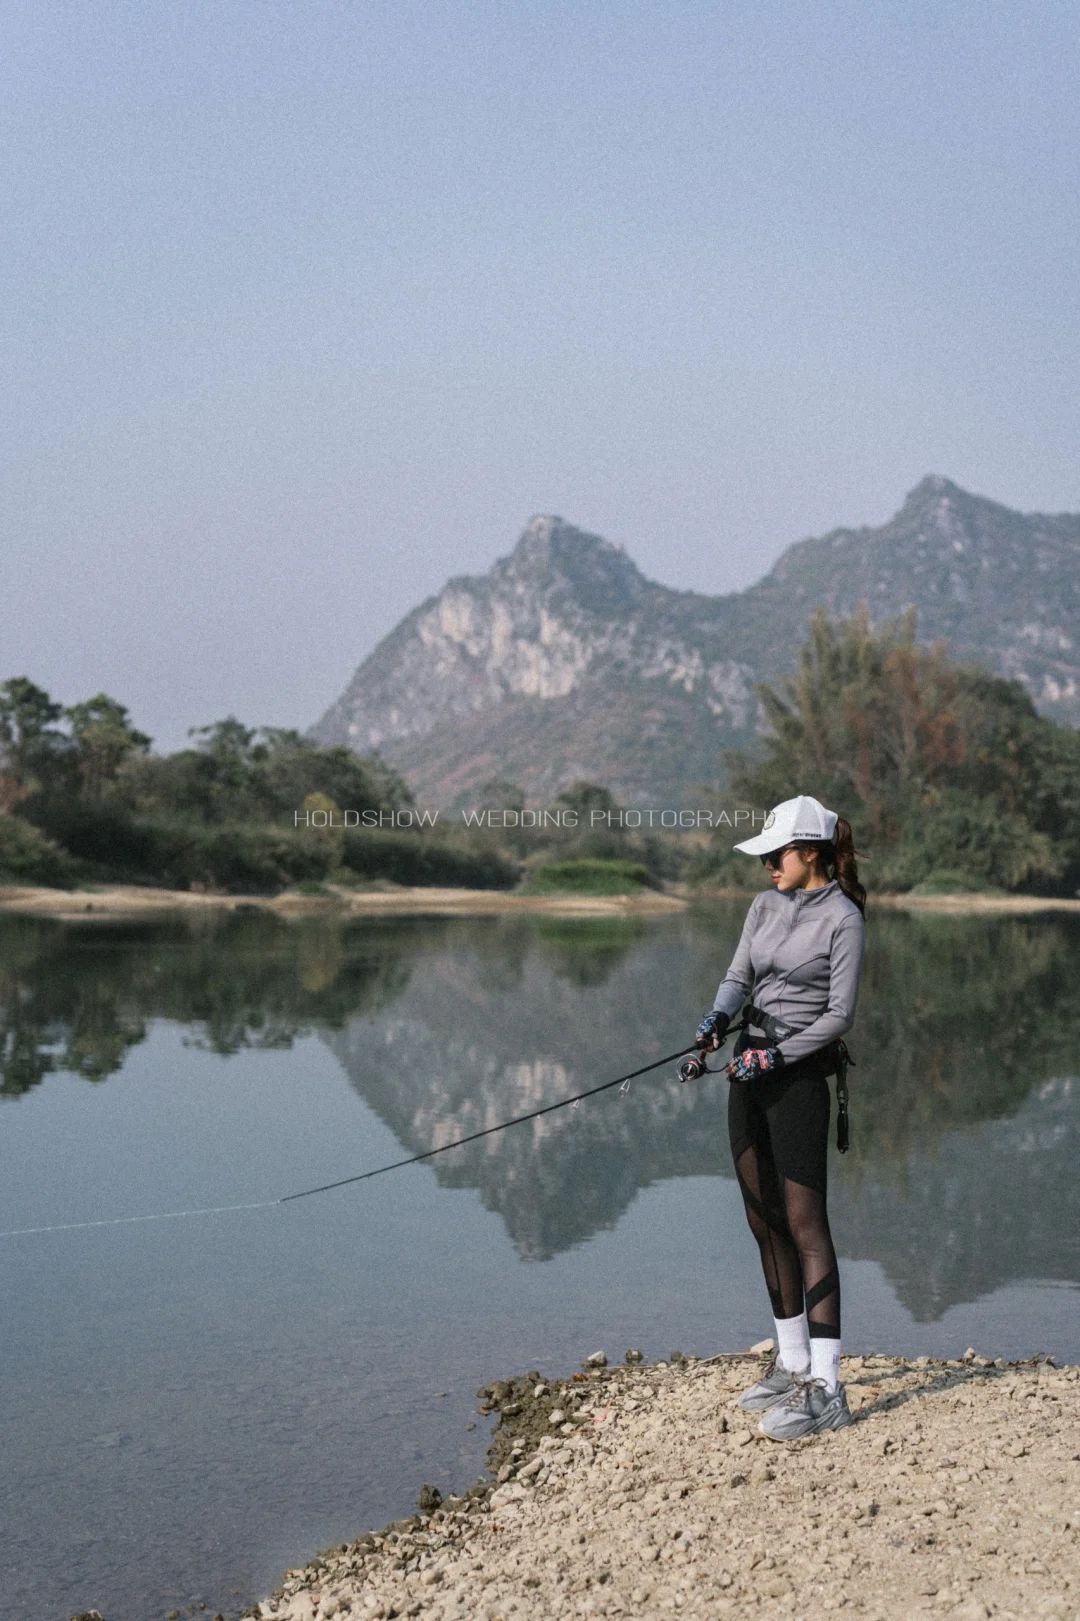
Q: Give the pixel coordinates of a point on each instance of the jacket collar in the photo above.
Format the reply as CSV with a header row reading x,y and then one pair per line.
x,y
807,897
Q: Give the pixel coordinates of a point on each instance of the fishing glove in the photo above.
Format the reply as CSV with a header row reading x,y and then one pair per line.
x,y
712,1030
755,1061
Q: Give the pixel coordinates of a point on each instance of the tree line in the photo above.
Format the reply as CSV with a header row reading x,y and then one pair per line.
x,y
948,774
82,798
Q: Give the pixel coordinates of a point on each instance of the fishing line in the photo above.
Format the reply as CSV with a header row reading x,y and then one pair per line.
x,y
122,1221
620,1081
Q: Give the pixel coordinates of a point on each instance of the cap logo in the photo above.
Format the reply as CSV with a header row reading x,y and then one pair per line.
x,y
768,822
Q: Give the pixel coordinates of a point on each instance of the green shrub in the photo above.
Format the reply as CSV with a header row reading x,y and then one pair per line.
x,y
717,867
109,843
971,840
416,859
344,877
28,856
942,881
253,860
103,837
589,878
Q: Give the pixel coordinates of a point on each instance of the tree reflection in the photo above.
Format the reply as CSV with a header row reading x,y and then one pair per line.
x,y
959,1017
585,950
78,999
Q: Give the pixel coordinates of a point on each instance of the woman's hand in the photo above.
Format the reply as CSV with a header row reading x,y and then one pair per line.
x,y
755,1061
712,1030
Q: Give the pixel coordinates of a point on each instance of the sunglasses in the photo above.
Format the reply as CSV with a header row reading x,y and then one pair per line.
x,y
775,857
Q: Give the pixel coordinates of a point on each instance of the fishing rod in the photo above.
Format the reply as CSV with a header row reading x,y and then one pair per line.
x,y
489,1131
620,1081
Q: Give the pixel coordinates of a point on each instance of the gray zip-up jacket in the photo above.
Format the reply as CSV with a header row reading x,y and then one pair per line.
x,y
799,959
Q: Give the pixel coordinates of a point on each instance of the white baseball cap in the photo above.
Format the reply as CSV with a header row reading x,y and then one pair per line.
x,y
791,823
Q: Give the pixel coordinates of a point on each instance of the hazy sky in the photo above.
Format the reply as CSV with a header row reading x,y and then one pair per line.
x,y
305,307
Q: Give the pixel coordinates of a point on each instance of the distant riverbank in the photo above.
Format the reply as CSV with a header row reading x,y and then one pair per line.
x,y
134,901
137,901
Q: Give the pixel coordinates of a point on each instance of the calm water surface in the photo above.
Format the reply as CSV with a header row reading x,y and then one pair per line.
x,y
187,1407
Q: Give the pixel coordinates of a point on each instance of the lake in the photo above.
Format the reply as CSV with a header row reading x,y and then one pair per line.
x,y
189,1406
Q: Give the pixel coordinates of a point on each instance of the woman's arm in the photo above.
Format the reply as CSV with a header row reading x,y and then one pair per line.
x,y
845,962
737,983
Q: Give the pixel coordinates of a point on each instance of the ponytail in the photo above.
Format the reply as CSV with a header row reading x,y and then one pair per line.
x,y
837,857
847,872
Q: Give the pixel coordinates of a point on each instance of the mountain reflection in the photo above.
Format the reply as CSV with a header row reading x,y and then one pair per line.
x,y
965,1122
963,1130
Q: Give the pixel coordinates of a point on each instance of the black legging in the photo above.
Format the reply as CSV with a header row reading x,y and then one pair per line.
x,y
779,1128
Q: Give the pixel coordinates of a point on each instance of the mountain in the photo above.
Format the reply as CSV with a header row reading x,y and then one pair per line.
x,y
564,661
1000,587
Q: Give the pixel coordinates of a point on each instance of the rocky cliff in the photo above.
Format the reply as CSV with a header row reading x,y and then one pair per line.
x,y
565,661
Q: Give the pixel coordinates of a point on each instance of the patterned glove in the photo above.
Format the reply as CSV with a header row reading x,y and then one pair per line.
x,y
755,1061
712,1029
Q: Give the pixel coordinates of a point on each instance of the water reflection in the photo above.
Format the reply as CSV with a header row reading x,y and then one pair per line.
x,y
584,951
995,1204
78,998
965,1122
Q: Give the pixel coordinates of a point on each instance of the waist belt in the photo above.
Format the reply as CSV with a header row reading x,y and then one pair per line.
x,y
775,1029
835,1057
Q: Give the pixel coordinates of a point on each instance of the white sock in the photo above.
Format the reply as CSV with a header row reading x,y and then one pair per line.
x,y
793,1342
825,1362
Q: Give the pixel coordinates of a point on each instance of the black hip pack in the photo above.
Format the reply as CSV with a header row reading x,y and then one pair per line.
x,y
835,1059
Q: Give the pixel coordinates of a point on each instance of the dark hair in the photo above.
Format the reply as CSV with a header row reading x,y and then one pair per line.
x,y
837,857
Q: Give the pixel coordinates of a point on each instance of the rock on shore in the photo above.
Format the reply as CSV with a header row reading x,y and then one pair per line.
x,y
645,1491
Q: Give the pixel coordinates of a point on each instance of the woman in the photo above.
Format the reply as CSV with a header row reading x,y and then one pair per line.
x,y
798,960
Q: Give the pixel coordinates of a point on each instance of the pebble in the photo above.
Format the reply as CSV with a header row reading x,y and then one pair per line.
x,y
952,1493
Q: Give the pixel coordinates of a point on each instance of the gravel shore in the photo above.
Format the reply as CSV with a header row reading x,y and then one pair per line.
x,y
645,1491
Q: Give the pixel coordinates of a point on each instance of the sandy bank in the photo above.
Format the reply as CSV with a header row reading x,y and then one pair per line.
x,y
134,901
970,904
646,1492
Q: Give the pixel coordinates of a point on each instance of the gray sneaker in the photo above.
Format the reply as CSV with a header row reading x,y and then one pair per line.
x,y
807,1411
775,1385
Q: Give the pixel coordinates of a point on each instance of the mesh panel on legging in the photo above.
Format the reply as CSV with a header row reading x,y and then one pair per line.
x,y
765,1212
808,1223
791,1226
